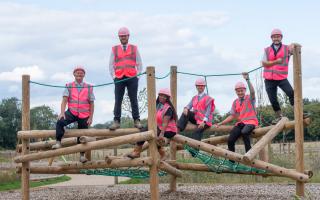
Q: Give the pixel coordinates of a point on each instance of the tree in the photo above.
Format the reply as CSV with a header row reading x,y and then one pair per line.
x,y
142,102
42,118
10,123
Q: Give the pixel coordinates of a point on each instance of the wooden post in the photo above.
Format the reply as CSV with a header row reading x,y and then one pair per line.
x,y
25,171
263,142
115,153
298,115
264,153
152,125
173,146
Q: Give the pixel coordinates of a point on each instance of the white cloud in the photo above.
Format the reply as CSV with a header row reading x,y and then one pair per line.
x,y
15,75
62,77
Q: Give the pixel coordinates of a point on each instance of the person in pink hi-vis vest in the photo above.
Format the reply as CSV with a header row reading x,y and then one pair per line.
x,y
243,110
275,62
166,124
79,97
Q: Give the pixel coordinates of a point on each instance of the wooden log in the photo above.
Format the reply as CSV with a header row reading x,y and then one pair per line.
x,y
77,133
86,139
152,125
88,146
25,171
263,142
239,158
164,166
298,115
258,132
205,168
173,147
115,153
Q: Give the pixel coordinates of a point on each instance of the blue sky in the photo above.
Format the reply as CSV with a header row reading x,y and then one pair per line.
x,y
48,38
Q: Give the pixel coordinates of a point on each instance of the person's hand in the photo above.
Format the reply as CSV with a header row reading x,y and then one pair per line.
x,y
216,125
279,61
185,111
89,121
61,116
245,75
201,125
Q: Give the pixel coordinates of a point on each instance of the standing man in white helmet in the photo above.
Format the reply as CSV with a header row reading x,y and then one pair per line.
x,y
275,62
125,62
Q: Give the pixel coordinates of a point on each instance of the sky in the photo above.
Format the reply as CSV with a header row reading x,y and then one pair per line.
x,y
46,39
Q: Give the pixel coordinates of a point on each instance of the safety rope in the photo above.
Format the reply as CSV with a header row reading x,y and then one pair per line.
x,y
219,165
129,172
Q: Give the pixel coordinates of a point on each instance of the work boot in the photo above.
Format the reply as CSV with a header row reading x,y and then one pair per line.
x,y
57,145
115,125
83,158
135,153
278,117
162,153
137,124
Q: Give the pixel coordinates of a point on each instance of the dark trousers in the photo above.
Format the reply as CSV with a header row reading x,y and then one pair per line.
x,y
243,130
70,118
167,134
272,89
183,121
119,89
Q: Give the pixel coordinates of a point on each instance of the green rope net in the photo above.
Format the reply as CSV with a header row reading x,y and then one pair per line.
x,y
219,165
131,173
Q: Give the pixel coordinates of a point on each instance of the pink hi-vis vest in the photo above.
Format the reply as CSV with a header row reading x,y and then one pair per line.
x,y
125,61
172,125
278,71
199,108
247,111
79,102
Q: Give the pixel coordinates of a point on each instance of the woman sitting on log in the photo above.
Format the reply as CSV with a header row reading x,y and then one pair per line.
x,y
166,124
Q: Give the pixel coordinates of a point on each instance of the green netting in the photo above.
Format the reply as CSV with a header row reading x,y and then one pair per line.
x,y
219,165
131,173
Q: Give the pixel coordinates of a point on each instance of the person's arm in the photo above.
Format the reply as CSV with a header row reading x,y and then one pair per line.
x,y
187,108
251,89
266,63
139,62
227,120
63,107
89,121
111,65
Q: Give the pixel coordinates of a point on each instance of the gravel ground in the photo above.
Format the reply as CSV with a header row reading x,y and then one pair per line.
x,y
187,191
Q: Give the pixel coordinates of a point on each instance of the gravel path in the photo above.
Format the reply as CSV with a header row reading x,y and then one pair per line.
x,y
185,192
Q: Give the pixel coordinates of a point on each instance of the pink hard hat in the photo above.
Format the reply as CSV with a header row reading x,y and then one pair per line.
x,y
123,31
200,81
78,67
165,91
240,85
276,32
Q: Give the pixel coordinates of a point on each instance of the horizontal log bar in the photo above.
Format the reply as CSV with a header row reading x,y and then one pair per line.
x,y
76,133
86,139
274,131
164,166
86,147
239,158
258,132
45,145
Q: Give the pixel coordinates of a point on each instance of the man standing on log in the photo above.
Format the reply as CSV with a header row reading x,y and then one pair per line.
x,y
124,65
80,99
243,110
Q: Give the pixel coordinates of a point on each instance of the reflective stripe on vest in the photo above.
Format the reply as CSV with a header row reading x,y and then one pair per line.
x,y
172,125
79,101
199,109
246,110
278,71
125,61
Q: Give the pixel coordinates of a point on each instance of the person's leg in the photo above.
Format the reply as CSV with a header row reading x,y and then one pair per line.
x,y
61,123
272,89
138,148
119,89
235,133
132,86
184,119
287,88
198,133
246,132
82,124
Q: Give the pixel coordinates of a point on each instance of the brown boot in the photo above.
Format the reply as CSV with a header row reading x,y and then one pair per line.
x,y
162,153
135,153
115,125
137,124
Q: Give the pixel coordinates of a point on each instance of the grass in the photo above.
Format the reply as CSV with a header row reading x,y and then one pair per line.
x,y
16,184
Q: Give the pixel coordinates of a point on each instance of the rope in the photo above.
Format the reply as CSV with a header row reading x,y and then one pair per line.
x,y
100,85
229,74
165,76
